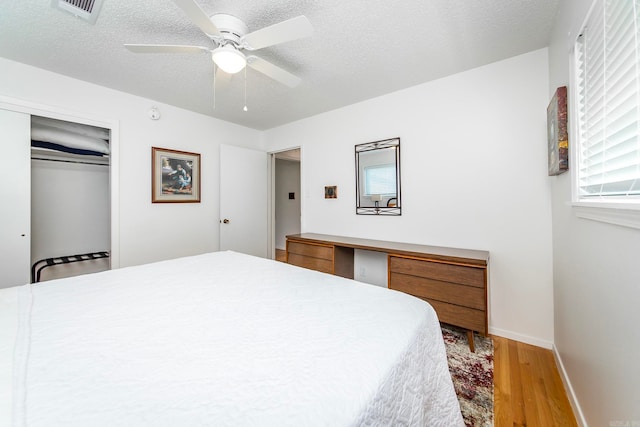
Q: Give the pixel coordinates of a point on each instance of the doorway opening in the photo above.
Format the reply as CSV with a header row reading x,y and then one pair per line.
x,y
286,197
70,198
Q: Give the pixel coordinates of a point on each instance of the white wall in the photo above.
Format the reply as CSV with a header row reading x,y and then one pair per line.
x,y
69,209
370,267
596,281
147,232
474,175
287,180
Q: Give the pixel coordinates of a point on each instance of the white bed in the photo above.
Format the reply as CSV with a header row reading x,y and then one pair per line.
x,y
220,339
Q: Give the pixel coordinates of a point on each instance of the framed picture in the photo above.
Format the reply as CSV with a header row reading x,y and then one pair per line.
x,y
331,192
558,140
175,176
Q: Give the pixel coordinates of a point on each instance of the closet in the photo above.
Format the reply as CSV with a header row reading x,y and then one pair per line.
x,y
56,198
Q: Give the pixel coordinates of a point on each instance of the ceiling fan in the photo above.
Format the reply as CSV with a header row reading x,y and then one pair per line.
x,y
231,36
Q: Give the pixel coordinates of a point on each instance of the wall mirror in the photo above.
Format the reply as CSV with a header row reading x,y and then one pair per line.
x,y
378,178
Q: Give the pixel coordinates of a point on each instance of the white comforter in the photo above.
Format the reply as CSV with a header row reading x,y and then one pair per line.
x,y
222,339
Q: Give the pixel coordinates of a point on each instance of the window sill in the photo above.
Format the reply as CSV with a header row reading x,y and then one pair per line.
x,y
623,214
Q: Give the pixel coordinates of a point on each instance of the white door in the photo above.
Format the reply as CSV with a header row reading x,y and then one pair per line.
x,y
243,200
15,216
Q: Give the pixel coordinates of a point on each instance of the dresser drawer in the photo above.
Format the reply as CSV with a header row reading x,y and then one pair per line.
x,y
456,292
431,289
309,250
463,317
318,264
311,256
452,273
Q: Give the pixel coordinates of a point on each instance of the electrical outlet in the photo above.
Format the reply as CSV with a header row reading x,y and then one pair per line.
x,y
363,272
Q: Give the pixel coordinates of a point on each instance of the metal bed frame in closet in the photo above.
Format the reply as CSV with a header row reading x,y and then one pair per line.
x,y
40,265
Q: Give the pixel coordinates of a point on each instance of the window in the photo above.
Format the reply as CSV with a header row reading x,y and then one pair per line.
x,y
380,179
607,96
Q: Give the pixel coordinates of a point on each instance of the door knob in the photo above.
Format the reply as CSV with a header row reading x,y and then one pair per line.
x,y
225,221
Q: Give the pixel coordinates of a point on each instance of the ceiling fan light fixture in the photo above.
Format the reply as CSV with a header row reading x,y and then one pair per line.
x,y
229,59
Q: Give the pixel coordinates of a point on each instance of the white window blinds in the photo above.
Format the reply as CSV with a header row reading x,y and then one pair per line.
x,y
608,99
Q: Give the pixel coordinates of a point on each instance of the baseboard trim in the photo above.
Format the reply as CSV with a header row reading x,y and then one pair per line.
x,y
520,337
573,400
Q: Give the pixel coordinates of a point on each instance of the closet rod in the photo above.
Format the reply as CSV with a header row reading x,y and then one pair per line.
x,y
70,161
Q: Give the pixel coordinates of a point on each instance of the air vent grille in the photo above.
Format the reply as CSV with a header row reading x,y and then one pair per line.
x,y
86,5
84,9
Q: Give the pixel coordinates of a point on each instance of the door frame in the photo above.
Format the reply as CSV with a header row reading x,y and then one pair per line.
x,y
271,197
54,112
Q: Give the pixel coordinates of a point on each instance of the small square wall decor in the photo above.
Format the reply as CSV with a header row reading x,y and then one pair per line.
x,y
558,140
331,192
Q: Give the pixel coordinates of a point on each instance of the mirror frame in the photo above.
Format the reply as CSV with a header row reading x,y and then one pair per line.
x,y
378,210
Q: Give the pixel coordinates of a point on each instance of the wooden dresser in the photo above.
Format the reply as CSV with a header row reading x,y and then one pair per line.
x,y
453,281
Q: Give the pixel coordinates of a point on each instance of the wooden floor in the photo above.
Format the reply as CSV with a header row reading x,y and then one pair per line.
x,y
528,390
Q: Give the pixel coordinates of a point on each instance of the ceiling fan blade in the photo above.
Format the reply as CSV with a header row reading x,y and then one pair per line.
x,y
165,48
198,16
273,71
292,29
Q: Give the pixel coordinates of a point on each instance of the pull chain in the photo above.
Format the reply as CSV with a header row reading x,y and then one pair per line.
x,y
245,89
215,71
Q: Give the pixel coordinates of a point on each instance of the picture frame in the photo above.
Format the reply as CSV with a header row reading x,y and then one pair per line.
x,y
175,176
558,137
331,192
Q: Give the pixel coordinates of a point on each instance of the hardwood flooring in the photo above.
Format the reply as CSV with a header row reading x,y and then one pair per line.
x,y
527,389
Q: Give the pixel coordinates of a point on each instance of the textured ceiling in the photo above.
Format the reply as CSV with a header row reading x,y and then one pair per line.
x,y
360,49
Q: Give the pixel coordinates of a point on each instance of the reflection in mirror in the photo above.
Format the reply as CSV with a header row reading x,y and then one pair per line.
x,y
378,178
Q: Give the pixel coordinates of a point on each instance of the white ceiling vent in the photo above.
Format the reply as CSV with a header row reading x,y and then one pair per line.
x,y
83,9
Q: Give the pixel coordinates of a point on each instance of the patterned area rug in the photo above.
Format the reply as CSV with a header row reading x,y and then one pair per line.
x,y
472,375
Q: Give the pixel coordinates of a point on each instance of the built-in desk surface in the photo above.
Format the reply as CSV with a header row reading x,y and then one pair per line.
x,y
468,256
